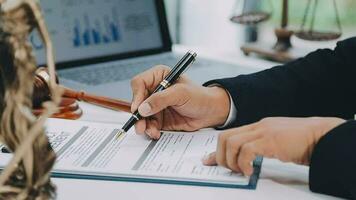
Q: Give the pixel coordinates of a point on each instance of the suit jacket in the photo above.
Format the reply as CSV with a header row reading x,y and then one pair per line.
x,y
321,84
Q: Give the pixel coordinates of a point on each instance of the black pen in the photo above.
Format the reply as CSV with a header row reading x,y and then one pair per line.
x,y
172,77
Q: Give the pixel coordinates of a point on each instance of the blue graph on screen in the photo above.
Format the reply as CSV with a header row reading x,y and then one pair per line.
x,y
97,31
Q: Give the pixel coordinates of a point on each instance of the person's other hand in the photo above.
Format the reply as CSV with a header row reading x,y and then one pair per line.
x,y
287,139
183,106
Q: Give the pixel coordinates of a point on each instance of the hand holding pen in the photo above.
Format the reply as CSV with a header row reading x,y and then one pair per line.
x,y
167,81
184,106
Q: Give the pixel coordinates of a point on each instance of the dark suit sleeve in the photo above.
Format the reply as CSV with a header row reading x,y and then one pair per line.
x,y
320,84
333,163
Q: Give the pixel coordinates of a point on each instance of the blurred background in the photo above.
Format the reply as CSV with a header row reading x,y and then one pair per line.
x,y
206,23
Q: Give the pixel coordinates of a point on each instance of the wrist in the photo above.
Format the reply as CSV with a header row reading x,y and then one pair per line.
x,y
220,105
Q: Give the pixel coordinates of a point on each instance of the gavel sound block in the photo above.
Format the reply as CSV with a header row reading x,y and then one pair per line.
x,y
69,108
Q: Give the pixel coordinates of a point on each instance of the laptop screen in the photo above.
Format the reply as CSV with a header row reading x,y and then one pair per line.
x,y
87,29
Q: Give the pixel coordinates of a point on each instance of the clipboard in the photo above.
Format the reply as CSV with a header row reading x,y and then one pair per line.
x,y
78,132
252,185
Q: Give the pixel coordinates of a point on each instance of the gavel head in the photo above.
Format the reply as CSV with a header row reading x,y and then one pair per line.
x,y
41,91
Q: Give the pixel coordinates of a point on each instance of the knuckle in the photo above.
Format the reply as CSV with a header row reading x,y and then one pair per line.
x,y
135,80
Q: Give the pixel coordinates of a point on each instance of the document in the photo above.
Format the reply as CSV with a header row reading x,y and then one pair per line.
x,y
92,150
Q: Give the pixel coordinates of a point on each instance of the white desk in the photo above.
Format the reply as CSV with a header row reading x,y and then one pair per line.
x,y
277,180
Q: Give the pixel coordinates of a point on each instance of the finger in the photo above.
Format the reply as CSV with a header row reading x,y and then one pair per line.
x,y
248,153
153,129
175,95
158,123
233,146
168,122
140,126
154,76
139,93
145,83
210,159
221,146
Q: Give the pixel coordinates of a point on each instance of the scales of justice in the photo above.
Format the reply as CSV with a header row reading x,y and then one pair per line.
x,y
282,50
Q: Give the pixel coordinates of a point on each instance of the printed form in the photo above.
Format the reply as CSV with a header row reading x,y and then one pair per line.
x,y
93,148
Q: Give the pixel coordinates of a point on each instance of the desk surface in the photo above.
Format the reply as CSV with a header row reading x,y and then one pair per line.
x,y
277,181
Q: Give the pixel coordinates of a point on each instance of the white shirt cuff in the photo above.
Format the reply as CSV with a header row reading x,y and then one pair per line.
x,y
232,113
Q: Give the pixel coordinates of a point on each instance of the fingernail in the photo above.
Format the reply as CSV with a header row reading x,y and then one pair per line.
x,y
156,137
139,133
206,159
148,133
248,173
144,109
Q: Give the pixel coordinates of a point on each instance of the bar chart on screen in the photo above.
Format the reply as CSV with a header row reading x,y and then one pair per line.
x,y
95,31
82,29
84,23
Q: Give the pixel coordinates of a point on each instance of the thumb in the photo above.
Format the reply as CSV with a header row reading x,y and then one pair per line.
x,y
173,96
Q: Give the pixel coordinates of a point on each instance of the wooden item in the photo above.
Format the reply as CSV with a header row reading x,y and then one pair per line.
x,y
42,94
267,51
27,175
115,104
68,109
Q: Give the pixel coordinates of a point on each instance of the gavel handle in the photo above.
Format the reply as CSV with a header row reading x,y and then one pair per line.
x,y
106,102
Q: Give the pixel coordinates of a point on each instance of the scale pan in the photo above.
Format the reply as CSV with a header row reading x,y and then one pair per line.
x,y
251,18
317,35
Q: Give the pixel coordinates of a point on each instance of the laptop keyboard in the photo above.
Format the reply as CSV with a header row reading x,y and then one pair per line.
x,y
104,73
112,72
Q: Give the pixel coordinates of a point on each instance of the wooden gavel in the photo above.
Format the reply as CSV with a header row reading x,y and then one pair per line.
x,y
42,93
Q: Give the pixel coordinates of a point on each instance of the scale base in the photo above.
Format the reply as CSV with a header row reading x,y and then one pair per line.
x,y
266,51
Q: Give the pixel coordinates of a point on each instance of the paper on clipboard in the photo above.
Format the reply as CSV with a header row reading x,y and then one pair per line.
x,y
91,150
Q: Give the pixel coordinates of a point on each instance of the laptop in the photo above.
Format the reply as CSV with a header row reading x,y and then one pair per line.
x,y
101,44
